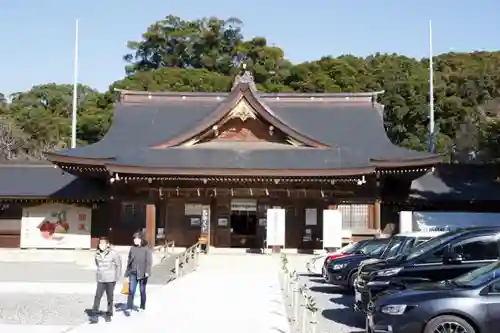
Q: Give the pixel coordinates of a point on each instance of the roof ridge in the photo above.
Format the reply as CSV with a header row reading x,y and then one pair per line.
x,y
259,94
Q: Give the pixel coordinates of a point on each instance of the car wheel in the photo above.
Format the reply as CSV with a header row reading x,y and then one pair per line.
x,y
451,324
327,277
352,279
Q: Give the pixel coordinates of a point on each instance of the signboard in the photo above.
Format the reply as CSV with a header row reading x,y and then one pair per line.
x,y
205,221
311,216
56,226
275,232
447,221
405,221
192,209
332,228
244,205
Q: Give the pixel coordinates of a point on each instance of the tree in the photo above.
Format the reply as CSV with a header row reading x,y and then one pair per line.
x,y
207,43
205,54
13,140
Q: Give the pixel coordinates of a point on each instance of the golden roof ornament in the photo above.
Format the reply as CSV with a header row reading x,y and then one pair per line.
x,y
245,77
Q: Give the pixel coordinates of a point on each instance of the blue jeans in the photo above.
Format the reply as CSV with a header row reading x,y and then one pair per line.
x,y
134,282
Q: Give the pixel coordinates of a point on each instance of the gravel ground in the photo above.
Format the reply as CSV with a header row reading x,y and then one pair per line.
x,y
335,313
53,309
66,309
49,272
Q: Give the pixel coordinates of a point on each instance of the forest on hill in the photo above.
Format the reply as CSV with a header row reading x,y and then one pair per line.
x,y
204,55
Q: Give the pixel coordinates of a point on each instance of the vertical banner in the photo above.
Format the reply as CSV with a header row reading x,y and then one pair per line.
x,y
405,221
332,228
205,225
275,232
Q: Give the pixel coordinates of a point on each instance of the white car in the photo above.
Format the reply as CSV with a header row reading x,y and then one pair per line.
x,y
315,264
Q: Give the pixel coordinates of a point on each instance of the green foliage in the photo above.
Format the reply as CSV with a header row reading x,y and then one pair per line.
x,y
204,55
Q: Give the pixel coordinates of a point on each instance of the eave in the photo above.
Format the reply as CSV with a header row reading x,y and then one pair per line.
x,y
416,162
113,168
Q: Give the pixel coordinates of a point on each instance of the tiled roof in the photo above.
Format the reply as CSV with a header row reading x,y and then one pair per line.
x,y
456,182
349,126
42,180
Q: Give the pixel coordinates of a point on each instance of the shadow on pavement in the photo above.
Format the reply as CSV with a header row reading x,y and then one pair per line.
x,y
345,316
330,289
345,301
321,281
308,275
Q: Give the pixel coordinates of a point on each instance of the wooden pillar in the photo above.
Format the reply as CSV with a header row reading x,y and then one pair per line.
x,y
377,215
376,206
151,224
113,214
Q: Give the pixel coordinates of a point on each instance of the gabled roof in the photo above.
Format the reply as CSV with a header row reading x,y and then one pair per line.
x,y
339,134
39,179
458,182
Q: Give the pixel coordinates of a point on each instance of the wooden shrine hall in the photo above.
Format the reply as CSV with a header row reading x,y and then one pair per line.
x,y
181,165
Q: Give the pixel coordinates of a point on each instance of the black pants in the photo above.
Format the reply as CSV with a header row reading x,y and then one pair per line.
x,y
109,288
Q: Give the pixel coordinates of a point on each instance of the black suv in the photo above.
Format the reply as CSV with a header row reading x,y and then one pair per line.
x,y
398,245
343,271
442,258
469,303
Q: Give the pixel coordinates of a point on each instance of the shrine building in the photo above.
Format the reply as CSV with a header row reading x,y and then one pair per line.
x,y
171,157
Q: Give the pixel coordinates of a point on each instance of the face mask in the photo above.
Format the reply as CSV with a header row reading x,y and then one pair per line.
x,y
137,241
102,247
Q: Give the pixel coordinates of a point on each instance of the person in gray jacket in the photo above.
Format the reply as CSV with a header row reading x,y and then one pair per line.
x,y
140,261
109,268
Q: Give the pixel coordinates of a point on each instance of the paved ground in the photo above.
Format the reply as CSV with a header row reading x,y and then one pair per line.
x,y
227,294
39,296
335,304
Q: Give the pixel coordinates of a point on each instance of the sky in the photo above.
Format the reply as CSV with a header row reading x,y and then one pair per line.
x,y
37,37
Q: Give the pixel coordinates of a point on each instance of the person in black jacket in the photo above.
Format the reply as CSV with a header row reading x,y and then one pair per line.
x,y
140,261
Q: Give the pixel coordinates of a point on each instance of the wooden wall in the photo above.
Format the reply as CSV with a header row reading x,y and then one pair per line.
x,y
171,216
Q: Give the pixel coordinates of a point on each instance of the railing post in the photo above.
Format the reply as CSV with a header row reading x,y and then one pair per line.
x,y
177,266
197,255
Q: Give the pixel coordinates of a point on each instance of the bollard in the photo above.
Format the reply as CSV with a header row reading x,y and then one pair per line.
x,y
293,280
294,277
298,304
314,322
304,311
286,277
304,319
177,268
197,256
312,309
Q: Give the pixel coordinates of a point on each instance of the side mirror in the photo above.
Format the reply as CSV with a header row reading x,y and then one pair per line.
x,y
452,258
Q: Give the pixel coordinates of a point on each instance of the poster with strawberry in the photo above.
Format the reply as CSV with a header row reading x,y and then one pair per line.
x,y
55,226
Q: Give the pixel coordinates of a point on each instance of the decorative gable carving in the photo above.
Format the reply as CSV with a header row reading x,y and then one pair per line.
x,y
243,124
243,111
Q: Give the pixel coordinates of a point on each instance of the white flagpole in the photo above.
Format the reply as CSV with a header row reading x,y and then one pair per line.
x,y
75,90
431,94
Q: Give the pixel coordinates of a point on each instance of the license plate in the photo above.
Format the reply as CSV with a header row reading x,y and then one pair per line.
x,y
357,296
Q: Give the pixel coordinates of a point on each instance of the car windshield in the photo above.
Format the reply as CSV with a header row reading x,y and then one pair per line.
x,y
393,247
349,248
430,244
369,247
479,276
375,250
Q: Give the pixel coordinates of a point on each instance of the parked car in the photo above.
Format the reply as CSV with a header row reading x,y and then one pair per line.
x,y
343,271
442,258
315,265
469,303
399,245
